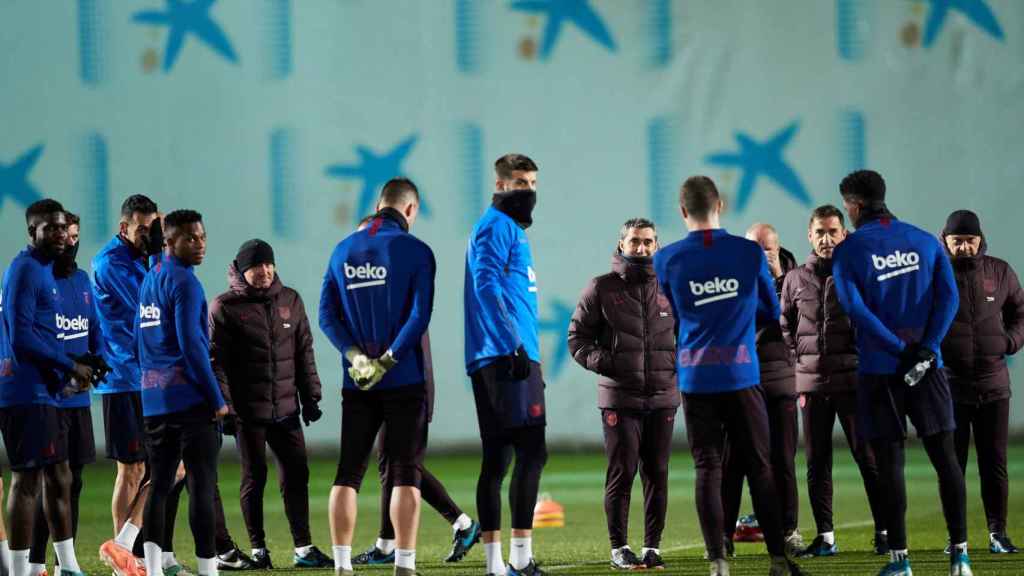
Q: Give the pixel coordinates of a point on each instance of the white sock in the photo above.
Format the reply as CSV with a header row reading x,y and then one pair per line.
x,y
36,569
154,559
644,550
206,566
962,547
405,559
126,537
5,557
385,546
520,552
894,555
19,563
495,564
168,559
65,550
884,532
828,537
342,557
300,551
462,522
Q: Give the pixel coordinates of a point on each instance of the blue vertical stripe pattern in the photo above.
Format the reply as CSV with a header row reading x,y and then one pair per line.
x,y
93,183
851,27
278,16
659,15
661,159
852,141
467,36
471,168
91,41
285,200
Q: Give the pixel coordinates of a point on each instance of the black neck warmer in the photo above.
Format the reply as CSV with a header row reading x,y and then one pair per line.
x,y
517,204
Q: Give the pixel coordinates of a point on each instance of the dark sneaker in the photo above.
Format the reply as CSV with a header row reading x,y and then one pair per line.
x,y
463,541
794,543
373,556
783,566
719,568
234,559
897,568
1000,544
531,569
261,560
312,559
819,548
881,544
653,561
959,563
625,559
730,547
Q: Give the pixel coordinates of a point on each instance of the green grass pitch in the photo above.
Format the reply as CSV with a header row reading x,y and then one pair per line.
x,y
577,480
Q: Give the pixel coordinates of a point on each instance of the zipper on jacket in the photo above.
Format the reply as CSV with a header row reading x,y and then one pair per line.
x,y
268,306
643,316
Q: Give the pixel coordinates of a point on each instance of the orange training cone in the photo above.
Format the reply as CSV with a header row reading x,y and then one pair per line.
x,y
548,513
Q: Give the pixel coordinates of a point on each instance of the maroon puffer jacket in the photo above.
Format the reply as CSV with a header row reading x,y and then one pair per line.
x,y
623,329
773,355
818,330
261,348
988,326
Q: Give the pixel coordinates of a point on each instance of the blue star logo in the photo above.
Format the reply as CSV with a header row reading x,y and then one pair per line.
x,y
374,170
976,11
579,12
558,325
183,18
14,178
757,159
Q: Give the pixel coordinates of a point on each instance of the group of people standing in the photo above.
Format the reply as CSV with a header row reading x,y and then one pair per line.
x,y
876,326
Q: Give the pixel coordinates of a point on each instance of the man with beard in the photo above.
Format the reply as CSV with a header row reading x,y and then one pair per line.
x,y
988,327
262,352
897,286
33,370
503,362
820,335
79,331
623,330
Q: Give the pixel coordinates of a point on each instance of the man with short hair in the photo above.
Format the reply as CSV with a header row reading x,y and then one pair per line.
x,y
820,335
897,286
375,306
718,286
181,400
79,332
262,352
503,362
988,327
34,369
623,330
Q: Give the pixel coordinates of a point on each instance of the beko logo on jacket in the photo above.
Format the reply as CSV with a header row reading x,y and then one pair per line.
x,y
79,326
368,274
714,290
898,263
150,315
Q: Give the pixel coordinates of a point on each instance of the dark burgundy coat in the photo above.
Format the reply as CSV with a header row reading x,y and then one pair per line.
x,y
988,326
818,330
261,348
774,358
624,331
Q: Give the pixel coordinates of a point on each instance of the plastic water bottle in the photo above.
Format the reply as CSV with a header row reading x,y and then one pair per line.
x,y
917,372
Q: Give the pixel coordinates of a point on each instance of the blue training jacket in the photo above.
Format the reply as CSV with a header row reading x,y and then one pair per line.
x,y
77,326
897,285
378,294
118,273
174,341
500,292
32,359
718,285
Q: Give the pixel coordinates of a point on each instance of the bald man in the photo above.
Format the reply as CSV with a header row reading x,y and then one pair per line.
x,y
778,378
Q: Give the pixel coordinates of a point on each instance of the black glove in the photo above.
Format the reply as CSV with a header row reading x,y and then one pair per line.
x,y
912,355
311,413
515,366
229,424
99,366
155,240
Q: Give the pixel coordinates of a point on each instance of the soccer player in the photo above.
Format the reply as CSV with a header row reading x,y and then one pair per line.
x,y
897,285
181,400
623,330
34,369
78,329
718,285
821,336
779,382
503,362
262,352
375,306
988,327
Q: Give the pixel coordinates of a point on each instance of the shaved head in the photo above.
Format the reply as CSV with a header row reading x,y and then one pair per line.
x,y
763,234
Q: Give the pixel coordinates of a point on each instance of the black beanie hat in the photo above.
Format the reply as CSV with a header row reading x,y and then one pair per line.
x,y
867,185
962,223
253,252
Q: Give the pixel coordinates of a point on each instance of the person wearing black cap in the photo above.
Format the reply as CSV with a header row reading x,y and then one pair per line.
x,y
897,286
988,327
262,352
